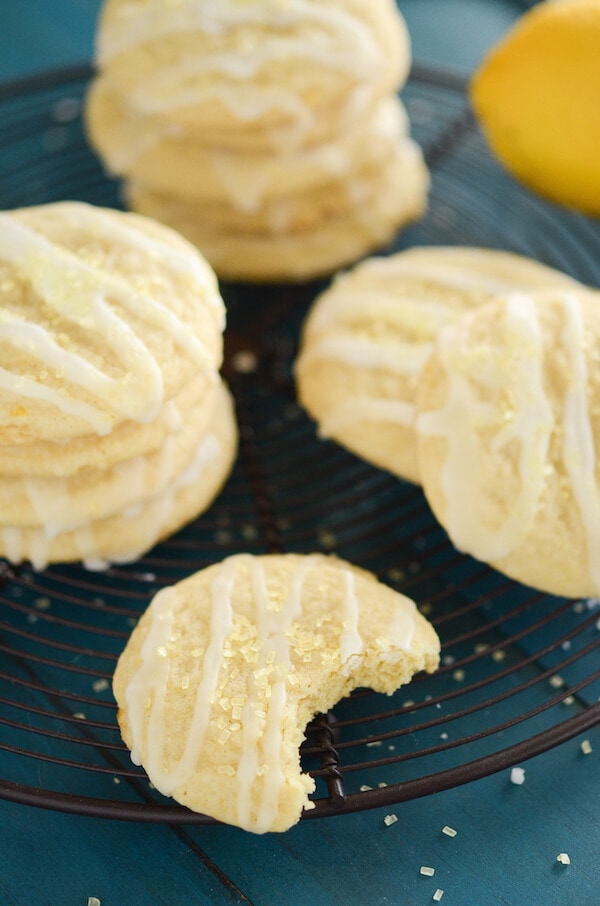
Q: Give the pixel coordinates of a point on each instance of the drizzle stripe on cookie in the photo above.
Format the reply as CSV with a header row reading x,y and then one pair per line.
x,y
578,451
263,641
79,294
464,415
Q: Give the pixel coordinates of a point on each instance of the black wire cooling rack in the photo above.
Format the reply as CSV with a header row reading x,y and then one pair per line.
x,y
520,670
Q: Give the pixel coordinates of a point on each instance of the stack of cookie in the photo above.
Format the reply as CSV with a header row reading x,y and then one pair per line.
x,y
269,132
116,427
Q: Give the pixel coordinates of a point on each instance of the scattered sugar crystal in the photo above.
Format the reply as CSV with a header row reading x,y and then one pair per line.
x,y
365,787
65,111
382,785
43,603
390,819
569,700
458,675
79,715
55,139
498,655
449,831
327,539
438,895
395,574
426,870
244,361
586,747
93,901
517,776
100,685
556,681
563,858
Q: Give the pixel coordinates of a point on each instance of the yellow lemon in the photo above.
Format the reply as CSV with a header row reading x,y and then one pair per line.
x,y
536,95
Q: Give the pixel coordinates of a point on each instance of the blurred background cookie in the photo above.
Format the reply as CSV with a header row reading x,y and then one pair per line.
x,y
243,125
304,236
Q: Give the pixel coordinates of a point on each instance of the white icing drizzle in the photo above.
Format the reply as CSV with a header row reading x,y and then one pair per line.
x,y
530,424
61,510
78,293
330,37
246,178
351,642
273,624
365,352
187,263
578,451
149,684
366,408
149,677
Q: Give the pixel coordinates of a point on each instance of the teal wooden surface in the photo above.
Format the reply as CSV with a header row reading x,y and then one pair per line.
x,y
508,836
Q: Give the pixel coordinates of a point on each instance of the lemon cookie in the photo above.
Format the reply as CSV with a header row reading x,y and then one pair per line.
x,y
304,236
508,430
368,336
255,73
111,325
225,670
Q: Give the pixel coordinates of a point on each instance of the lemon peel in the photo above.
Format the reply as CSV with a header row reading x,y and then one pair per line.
x,y
536,95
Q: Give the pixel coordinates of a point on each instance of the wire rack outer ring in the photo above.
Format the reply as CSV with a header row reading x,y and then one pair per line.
x,y
514,662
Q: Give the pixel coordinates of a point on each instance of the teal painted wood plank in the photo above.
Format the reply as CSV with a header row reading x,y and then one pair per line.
x,y
36,35
504,852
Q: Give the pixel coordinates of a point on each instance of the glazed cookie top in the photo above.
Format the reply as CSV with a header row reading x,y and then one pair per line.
x,y
253,57
373,331
226,668
105,316
508,432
